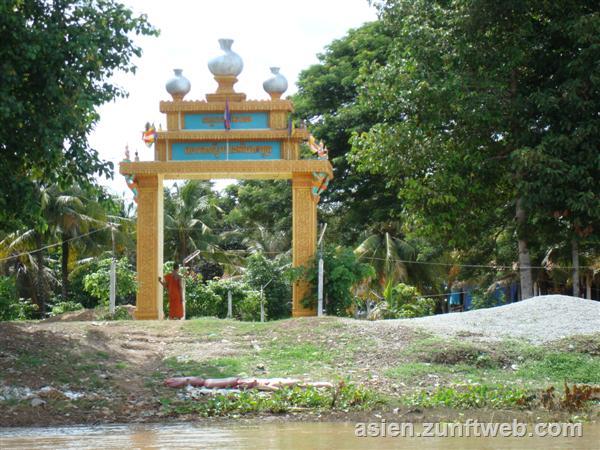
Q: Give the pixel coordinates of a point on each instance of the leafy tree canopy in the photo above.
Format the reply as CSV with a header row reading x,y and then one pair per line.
x,y
489,111
56,58
327,99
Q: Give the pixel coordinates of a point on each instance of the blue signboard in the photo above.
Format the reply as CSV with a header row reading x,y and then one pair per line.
x,y
239,121
223,151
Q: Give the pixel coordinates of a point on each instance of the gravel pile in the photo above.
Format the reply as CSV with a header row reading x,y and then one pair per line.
x,y
538,320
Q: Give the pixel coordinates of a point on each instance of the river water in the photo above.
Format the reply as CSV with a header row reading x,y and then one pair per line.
x,y
297,436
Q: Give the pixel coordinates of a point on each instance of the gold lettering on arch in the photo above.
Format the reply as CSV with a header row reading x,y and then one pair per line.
x,y
216,150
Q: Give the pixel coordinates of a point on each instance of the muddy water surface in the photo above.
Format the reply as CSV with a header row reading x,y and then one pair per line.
x,y
298,436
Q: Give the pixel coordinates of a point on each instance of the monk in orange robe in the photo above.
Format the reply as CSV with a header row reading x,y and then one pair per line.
x,y
173,284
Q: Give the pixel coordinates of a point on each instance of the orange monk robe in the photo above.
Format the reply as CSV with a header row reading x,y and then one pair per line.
x,y
173,285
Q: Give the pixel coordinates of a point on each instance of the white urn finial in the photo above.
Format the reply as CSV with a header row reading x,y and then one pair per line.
x,y
227,64
276,85
178,86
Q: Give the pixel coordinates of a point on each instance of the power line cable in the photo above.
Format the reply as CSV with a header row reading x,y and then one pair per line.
x,y
484,266
30,252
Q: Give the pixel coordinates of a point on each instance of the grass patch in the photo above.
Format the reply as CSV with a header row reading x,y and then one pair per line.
x,y
488,362
101,355
588,344
477,396
87,366
27,360
213,368
210,325
412,371
294,358
344,397
569,367
452,352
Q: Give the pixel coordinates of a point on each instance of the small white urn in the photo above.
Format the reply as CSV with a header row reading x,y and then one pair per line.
x,y
178,86
276,85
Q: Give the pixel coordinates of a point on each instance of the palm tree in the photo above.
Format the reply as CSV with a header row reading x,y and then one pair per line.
x,y
25,250
394,260
67,216
388,255
70,215
271,243
588,266
190,211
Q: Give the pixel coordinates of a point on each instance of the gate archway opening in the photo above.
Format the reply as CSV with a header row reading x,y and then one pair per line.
x,y
224,137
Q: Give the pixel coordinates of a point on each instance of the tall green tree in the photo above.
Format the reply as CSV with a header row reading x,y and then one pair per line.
x,y
56,58
327,99
260,203
70,216
470,98
258,217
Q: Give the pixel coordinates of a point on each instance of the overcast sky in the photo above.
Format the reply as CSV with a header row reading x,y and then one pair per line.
x,y
283,33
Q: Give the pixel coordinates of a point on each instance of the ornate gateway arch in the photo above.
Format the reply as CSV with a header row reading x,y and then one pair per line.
x,y
224,136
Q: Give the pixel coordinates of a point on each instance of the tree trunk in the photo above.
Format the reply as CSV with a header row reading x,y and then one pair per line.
x,y
575,256
41,282
65,268
524,258
536,289
588,286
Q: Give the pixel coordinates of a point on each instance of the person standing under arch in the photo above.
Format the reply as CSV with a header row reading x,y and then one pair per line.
x,y
173,284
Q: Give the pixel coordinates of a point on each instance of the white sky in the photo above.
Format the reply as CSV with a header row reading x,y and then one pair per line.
x,y
266,33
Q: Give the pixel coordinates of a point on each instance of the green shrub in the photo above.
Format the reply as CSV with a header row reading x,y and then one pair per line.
x,y
77,292
248,308
342,271
483,299
261,271
97,283
63,307
121,313
406,301
403,301
344,397
477,396
201,300
210,299
12,307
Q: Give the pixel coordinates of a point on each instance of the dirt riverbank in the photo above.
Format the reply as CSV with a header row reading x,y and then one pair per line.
x,y
80,372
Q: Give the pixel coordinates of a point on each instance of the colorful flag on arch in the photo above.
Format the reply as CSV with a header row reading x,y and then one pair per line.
x,y
227,116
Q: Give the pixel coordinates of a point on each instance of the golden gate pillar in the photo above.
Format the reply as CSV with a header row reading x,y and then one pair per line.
x,y
149,301
304,236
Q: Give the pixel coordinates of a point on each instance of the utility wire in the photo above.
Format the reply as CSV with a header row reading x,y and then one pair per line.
x,y
241,251
30,252
477,266
470,265
372,258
